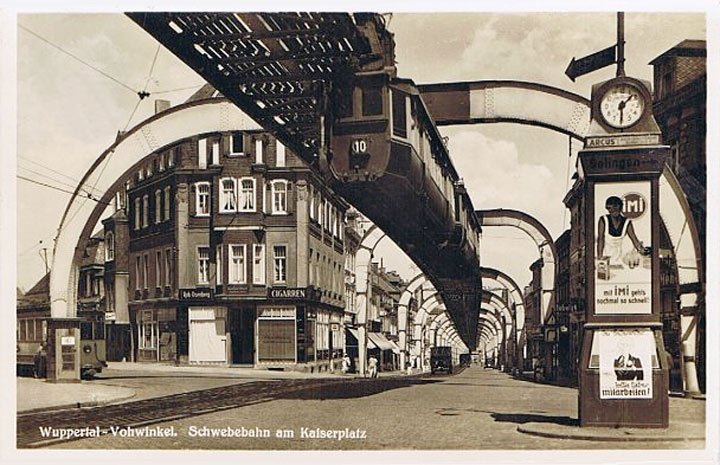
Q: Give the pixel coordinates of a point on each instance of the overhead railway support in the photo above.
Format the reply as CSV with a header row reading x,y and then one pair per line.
x,y
325,84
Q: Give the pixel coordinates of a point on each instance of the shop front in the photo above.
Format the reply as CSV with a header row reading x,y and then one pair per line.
x,y
156,334
295,330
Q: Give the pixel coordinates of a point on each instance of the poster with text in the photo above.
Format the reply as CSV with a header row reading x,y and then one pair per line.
x,y
626,364
623,248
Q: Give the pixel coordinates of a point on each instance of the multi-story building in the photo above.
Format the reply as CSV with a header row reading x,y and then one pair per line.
x,y
533,308
235,255
680,105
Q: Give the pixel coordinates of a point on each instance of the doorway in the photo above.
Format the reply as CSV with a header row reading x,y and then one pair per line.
x,y
242,334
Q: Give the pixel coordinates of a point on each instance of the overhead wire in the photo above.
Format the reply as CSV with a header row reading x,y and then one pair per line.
x,y
75,180
29,31
88,195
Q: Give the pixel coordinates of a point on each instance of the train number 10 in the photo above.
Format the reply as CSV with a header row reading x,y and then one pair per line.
x,y
359,146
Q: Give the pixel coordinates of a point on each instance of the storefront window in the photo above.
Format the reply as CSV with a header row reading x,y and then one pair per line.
x,y
148,330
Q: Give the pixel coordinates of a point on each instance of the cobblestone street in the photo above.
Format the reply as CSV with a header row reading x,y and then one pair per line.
x,y
475,410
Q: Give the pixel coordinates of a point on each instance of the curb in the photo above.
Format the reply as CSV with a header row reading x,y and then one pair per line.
x,y
73,405
540,429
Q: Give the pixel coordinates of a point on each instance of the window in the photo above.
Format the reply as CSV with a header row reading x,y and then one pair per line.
x,y
158,268
171,158
372,101
149,170
141,175
280,262
247,195
312,202
399,117
109,246
236,143
147,330
279,197
137,213
202,199
162,162
258,151
138,273
259,264
158,206
280,151
145,210
145,271
236,264
228,195
167,203
202,153
203,254
168,267
218,265
216,153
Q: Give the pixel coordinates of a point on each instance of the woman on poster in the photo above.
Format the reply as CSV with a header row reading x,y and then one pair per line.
x,y
618,226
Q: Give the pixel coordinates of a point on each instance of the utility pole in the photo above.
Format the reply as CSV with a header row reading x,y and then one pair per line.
x,y
620,44
43,255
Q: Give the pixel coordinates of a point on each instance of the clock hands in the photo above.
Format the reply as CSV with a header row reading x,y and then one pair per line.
x,y
621,106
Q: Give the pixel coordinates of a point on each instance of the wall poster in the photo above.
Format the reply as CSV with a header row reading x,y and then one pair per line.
x,y
623,255
626,363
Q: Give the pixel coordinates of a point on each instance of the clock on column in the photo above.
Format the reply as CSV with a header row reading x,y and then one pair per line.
x,y
620,104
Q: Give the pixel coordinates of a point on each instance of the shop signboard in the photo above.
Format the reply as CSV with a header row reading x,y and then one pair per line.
x,y
196,294
626,363
623,274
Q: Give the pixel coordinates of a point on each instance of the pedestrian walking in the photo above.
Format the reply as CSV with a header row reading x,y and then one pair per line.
x,y
346,364
372,367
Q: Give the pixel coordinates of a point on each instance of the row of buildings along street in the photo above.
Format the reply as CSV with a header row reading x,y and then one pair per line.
x,y
226,249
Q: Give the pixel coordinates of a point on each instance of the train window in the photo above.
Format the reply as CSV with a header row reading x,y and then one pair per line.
x,y
86,330
372,101
399,114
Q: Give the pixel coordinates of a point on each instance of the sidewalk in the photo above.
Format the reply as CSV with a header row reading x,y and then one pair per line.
x,y
36,395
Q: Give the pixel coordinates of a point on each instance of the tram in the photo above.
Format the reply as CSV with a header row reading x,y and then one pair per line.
x,y
32,333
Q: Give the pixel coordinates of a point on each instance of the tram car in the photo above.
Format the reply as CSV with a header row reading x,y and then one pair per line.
x,y
386,149
32,333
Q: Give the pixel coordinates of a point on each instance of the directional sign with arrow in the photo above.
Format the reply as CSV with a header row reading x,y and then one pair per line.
x,y
591,62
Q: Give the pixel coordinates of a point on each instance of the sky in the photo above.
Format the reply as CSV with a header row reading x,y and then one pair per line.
x,y
68,113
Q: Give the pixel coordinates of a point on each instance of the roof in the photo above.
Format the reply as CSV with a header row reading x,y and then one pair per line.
x,y
688,47
38,295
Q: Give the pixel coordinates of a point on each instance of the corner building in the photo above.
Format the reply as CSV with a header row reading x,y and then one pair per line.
x,y
236,255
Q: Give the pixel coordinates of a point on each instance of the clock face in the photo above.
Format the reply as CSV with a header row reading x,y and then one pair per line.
x,y
622,105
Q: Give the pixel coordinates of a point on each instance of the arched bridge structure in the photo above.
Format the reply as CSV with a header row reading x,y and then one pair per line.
x,y
325,85
302,76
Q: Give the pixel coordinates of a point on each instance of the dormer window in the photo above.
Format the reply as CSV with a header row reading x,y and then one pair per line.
x,y
237,145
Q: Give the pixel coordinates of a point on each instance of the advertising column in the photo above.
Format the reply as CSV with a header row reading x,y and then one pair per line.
x,y
622,370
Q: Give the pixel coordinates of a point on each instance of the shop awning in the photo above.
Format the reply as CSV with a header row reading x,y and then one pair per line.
x,y
371,344
382,343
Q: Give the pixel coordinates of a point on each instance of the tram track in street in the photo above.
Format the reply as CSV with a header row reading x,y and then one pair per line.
x,y
154,410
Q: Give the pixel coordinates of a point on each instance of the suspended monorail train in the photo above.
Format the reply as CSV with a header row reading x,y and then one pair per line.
x,y
386,150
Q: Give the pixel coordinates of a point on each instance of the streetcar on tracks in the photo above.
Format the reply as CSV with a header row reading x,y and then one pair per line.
x,y
32,352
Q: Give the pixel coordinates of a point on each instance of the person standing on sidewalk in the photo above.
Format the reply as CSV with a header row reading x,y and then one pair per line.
x,y
39,361
373,367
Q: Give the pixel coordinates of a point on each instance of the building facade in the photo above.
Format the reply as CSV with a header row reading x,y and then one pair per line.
x,y
680,107
234,256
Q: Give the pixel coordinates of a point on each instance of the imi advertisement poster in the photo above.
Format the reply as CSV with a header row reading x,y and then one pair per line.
x,y
626,364
623,248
